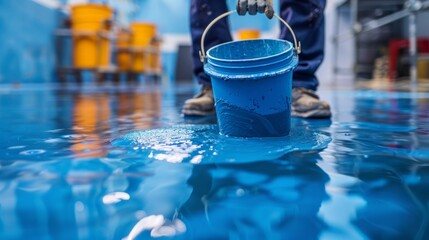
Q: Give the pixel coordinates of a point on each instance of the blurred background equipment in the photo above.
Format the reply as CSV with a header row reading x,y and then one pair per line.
x,y
100,45
88,40
246,34
362,29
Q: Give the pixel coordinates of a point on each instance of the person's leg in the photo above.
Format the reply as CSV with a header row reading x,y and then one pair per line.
x,y
202,13
306,18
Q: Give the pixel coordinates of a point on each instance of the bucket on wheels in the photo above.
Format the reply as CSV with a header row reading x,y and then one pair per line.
x,y
252,84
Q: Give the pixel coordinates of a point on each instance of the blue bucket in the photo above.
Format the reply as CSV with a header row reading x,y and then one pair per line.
x,y
252,86
252,83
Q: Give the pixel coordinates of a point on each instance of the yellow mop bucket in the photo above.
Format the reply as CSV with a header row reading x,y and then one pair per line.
x,y
88,22
252,84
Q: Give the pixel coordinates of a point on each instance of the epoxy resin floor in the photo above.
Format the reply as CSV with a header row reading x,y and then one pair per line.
x,y
74,164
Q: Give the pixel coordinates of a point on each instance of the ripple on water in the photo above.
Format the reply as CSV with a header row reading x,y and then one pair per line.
x,y
376,127
55,130
116,152
16,147
202,144
33,152
54,140
74,137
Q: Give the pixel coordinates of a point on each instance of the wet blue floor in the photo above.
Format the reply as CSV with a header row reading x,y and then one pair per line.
x,y
75,165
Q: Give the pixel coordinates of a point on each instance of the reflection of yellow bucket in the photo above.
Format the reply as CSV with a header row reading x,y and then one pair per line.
x,y
142,36
422,69
246,34
90,50
123,58
90,113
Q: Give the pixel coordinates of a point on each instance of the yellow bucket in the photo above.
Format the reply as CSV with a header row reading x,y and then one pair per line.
x,y
88,21
143,34
123,58
246,34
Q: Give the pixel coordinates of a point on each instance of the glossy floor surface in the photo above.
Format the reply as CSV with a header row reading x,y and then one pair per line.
x,y
88,162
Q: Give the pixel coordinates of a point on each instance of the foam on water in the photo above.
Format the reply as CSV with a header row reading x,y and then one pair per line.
x,y
202,144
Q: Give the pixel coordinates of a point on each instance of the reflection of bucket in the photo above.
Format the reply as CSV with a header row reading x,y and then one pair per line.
x,y
247,34
142,36
90,50
252,85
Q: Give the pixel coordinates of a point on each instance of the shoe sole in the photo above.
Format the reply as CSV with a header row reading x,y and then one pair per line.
x,y
197,113
317,113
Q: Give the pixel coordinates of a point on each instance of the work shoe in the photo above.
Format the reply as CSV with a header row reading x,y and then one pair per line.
x,y
306,104
200,105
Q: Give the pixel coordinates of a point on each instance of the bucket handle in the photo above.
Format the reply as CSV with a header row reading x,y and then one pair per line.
x,y
203,52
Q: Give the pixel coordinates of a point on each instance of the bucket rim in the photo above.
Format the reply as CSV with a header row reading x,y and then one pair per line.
x,y
246,67
210,69
209,56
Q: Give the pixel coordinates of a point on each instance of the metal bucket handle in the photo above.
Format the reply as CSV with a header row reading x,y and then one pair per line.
x,y
203,52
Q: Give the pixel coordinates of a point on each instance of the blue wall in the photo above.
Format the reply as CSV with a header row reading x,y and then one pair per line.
x,y
27,52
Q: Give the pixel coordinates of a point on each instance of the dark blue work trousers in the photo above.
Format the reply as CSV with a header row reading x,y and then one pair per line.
x,y
306,18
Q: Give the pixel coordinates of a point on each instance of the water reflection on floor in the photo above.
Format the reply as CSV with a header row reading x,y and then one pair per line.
x,y
61,177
